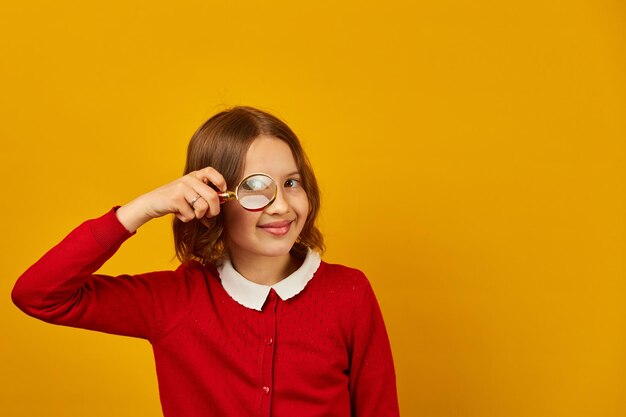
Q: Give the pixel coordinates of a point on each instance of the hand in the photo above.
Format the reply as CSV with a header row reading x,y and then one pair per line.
x,y
177,198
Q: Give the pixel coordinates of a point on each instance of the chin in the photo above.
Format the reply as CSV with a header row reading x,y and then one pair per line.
x,y
276,251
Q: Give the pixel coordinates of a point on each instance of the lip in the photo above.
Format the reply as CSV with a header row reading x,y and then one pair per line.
x,y
279,228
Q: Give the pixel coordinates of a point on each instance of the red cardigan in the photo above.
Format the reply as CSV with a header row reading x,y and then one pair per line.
x,y
324,352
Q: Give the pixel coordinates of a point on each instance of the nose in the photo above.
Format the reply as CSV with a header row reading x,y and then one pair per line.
x,y
280,205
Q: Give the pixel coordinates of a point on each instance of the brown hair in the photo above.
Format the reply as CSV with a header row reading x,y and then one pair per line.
x,y
222,143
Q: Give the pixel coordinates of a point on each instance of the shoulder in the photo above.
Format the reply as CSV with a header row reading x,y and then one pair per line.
x,y
343,279
194,273
181,283
341,272
350,293
178,293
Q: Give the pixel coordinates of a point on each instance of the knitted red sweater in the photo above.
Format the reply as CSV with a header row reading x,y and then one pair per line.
x,y
324,352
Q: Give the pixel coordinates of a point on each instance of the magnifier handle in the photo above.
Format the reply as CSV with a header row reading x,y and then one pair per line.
x,y
226,196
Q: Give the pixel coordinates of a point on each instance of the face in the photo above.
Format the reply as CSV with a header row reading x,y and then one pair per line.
x,y
272,231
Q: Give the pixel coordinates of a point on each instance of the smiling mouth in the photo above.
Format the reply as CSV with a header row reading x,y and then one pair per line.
x,y
277,228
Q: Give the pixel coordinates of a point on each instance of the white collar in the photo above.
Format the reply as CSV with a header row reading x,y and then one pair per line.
x,y
253,295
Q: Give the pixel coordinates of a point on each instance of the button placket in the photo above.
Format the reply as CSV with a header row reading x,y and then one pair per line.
x,y
268,339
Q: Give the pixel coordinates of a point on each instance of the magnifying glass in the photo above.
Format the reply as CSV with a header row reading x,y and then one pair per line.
x,y
254,192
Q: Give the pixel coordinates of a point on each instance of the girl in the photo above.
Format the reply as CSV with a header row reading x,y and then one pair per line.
x,y
252,323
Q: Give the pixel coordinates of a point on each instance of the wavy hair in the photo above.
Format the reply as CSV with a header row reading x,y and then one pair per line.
x,y
222,143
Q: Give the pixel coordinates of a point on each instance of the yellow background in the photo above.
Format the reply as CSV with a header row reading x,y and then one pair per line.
x,y
471,155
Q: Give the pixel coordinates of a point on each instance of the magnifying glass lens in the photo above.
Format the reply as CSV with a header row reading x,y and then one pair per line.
x,y
256,192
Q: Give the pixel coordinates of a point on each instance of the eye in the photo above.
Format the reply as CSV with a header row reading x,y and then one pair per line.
x,y
292,183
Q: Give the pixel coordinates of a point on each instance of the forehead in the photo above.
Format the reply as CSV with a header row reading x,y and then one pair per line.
x,y
270,155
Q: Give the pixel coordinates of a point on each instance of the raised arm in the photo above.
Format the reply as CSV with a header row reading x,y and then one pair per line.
x,y
62,286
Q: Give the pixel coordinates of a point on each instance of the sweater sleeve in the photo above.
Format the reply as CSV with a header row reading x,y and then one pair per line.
x,y
61,287
372,376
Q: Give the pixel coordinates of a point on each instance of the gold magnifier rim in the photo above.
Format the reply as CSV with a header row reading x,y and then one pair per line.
x,y
229,195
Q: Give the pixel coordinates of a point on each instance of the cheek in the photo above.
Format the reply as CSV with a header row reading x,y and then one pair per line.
x,y
303,208
236,219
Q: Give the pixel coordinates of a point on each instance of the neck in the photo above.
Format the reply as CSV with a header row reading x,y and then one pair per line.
x,y
263,269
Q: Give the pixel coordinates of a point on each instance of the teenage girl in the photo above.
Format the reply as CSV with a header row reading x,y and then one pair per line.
x,y
253,322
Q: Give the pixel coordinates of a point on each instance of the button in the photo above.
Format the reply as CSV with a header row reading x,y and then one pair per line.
x,y
269,341
272,296
266,390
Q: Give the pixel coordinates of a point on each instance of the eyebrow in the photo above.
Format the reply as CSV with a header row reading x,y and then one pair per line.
x,y
292,174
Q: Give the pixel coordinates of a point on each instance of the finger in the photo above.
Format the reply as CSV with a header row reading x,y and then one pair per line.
x,y
208,194
207,202
210,198
183,207
198,180
210,175
199,205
